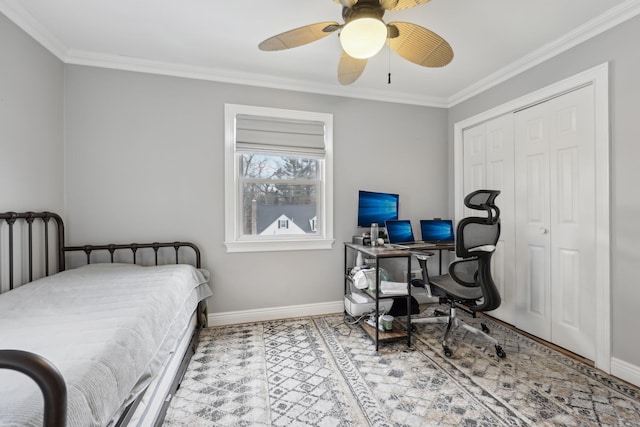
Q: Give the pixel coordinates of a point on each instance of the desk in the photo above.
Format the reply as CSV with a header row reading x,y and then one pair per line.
x,y
380,253
428,247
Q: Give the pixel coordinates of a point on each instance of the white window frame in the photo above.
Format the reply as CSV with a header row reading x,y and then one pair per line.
x,y
234,241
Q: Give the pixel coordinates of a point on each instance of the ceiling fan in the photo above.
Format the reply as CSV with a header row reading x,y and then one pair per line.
x,y
364,33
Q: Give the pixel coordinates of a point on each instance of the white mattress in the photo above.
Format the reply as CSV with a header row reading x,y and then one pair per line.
x,y
157,395
108,328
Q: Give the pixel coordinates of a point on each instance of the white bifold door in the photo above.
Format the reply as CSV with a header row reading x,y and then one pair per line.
x,y
488,164
555,220
542,160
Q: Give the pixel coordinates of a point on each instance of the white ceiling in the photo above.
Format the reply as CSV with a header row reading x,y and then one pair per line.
x,y
217,40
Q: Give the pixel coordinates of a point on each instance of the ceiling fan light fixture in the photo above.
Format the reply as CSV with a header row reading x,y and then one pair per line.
x,y
363,37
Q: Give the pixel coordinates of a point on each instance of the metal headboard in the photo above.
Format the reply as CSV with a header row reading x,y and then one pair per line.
x,y
133,247
29,217
11,218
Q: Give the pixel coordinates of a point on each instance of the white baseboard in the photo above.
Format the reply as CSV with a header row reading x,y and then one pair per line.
x,y
275,313
625,371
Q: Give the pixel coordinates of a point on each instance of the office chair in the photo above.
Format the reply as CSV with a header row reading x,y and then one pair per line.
x,y
469,285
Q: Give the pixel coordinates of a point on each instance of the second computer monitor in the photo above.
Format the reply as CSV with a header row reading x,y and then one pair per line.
x,y
437,230
399,231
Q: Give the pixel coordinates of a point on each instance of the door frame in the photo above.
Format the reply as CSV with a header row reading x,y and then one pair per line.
x,y
598,77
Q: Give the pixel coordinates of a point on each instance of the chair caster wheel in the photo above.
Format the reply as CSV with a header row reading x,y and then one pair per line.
x,y
447,351
414,328
439,313
500,352
485,329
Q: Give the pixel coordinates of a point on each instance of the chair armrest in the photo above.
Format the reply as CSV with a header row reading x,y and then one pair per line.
x,y
483,248
422,254
418,283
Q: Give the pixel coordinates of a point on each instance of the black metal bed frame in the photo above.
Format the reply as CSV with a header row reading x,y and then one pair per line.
x,y
43,372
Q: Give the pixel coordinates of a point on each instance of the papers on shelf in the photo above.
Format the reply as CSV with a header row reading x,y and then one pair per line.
x,y
393,288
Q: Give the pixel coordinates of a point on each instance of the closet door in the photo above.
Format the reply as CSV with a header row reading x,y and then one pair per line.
x,y
475,161
533,218
555,228
488,163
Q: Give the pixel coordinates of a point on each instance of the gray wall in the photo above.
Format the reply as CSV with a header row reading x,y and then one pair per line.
x,y
145,162
617,46
31,123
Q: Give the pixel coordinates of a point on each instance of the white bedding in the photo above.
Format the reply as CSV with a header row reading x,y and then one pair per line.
x,y
107,327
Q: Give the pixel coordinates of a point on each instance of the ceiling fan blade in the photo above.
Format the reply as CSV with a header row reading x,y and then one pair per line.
x,y
299,36
347,3
389,4
419,45
402,4
349,69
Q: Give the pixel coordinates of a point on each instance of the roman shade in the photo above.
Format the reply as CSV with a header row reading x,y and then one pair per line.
x,y
274,135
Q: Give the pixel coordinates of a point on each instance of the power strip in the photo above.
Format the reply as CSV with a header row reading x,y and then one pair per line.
x,y
371,322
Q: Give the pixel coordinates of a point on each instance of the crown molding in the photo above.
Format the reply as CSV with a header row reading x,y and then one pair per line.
x,y
596,26
16,13
127,63
13,10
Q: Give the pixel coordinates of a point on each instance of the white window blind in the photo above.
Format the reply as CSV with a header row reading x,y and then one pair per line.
x,y
275,135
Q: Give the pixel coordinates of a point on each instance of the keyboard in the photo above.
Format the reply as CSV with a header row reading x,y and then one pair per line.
x,y
414,245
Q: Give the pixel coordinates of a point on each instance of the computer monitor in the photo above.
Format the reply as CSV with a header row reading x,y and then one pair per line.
x,y
437,230
376,207
399,231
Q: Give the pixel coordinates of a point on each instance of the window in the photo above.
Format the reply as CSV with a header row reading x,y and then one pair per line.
x,y
283,223
278,179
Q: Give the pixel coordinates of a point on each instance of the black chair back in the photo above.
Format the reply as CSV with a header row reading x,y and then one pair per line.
x,y
475,232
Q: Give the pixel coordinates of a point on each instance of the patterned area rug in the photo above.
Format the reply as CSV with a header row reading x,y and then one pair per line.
x,y
325,371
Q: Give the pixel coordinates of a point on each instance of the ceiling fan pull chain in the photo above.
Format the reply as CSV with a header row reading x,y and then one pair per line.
x,y
389,52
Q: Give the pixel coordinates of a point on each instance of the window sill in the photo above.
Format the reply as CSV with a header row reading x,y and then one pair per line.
x,y
283,245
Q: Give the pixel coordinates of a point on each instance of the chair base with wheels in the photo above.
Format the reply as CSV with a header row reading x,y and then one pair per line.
x,y
452,321
450,317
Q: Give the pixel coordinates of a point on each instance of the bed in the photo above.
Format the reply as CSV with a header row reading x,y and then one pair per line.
x,y
104,343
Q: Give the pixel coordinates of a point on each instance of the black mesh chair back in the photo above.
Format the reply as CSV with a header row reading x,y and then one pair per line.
x,y
474,233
